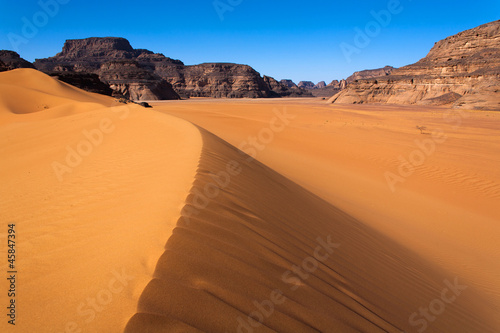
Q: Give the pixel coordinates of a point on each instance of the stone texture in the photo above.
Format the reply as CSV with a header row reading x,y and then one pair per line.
x,y
280,89
143,75
336,84
88,82
11,60
466,64
134,82
129,72
320,85
370,73
306,85
289,83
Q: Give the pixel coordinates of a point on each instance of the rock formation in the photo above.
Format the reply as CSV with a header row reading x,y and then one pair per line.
x,y
320,85
219,80
141,74
135,82
461,71
11,60
129,72
336,84
289,83
306,85
88,82
370,73
280,89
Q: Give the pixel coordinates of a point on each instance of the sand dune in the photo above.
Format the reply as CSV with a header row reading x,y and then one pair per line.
x,y
162,226
223,263
88,242
445,211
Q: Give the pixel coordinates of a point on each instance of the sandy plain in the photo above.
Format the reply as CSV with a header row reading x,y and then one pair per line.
x,y
287,215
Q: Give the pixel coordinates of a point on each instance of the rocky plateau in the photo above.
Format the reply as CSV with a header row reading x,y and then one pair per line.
x,y
461,71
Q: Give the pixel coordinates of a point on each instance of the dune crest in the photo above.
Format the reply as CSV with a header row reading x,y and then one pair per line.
x,y
94,192
255,252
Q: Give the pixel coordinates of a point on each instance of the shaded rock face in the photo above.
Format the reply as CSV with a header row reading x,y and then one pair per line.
x,y
143,75
288,83
134,82
11,60
320,85
280,89
462,71
336,84
218,80
88,82
370,73
321,89
306,85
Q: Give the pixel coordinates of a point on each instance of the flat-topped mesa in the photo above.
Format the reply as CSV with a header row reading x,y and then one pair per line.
x,y
461,71
87,55
97,47
129,72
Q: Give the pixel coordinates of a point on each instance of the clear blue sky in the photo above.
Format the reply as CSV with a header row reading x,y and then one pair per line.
x,y
300,40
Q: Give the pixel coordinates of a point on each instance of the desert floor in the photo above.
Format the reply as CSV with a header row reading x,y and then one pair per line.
x,y
327,218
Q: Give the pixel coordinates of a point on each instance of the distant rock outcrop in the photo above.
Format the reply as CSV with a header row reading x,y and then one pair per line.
x,y
289,83
282,90
11,60
462,71
134,82
143,75
219,80
320,85
370,73
306,85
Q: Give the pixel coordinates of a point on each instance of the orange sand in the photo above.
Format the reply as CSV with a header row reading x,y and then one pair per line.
x,y
98,252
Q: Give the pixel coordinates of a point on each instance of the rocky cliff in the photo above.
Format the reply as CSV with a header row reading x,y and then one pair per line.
x,y
85,81
461,71
141,74
284,88
220,80
11,60
370,73
289,83
131,80
336,84
128,72
306,84
319,85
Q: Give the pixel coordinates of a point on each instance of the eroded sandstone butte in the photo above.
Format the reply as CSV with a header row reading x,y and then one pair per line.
x,y
462,71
